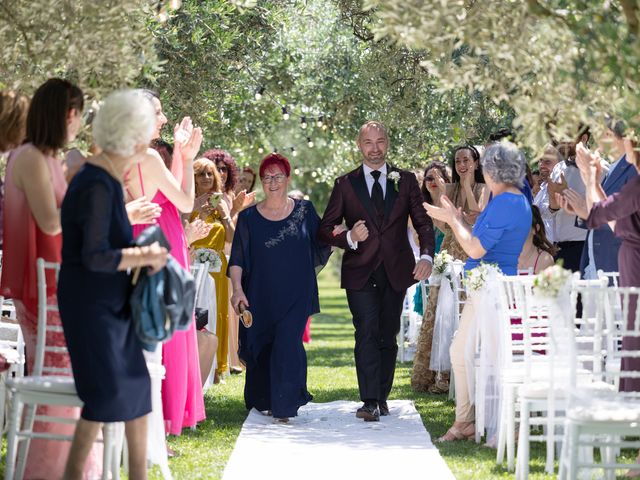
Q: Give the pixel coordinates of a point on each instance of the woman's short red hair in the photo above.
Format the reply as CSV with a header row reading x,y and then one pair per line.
x,y
275,159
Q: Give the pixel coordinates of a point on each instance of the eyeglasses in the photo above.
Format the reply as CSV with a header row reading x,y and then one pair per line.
x,y
429,179
273,178
222,169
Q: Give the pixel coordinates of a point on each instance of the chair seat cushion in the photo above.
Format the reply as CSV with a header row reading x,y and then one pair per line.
x,y
605,411
540,390
51,384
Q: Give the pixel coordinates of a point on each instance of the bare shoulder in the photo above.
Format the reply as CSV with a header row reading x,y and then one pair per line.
x,y
545,261
28,161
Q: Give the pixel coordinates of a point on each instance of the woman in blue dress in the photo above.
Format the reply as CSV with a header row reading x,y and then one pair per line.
x,y
109,369
497,237
273,273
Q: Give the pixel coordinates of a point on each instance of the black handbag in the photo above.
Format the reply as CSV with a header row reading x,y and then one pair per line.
x,y
202,318
163,302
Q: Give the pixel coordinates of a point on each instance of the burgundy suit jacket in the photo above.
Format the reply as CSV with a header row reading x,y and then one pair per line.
x,y
388,243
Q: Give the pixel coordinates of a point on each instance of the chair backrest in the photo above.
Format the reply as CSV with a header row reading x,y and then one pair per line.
x,y
612,277
589,322
622,321
199,270
459,291
45,329
525,324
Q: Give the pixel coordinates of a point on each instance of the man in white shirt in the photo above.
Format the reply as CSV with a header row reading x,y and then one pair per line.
x,y
550,158
567,236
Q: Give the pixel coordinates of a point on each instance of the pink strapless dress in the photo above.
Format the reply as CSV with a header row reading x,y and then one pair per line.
x,y
182,398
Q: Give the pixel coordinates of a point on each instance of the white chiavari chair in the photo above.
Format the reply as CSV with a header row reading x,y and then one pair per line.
x,y
47,386
548,395
610,419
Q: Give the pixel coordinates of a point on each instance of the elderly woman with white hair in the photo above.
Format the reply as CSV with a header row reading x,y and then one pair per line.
x,y
109,368
497,237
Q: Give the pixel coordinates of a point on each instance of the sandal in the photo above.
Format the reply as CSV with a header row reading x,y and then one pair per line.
x,y
454,434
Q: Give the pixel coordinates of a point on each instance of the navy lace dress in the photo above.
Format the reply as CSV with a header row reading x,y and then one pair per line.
x,y
109,369
278,261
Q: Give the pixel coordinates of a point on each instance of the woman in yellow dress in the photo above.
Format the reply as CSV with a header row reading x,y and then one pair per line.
x,y
209,208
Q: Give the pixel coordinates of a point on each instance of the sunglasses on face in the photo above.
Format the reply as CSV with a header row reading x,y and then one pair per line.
x,y
429,179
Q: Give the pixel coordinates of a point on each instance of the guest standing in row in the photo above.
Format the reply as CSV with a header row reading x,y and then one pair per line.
x,y
422,378
497,237
182,398
34,189
208,187
93,294
468,192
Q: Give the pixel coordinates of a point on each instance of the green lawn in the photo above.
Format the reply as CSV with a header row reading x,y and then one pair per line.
x,y
332,376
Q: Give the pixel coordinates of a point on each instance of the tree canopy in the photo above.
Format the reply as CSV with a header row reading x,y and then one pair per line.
x,y
556,62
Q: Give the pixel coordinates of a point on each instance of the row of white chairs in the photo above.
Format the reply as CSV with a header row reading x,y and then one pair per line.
x,y
550,362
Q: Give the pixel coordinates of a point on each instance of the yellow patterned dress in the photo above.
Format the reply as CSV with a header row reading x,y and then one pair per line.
x,y
423,379
215,241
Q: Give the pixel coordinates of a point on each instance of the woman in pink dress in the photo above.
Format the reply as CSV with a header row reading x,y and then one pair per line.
x,y
34,188
182,398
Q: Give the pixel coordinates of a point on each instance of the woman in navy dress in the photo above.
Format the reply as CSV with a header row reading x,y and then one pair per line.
x,y
109,369
273,272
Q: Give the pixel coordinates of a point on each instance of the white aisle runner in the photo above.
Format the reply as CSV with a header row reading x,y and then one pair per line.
x,y
326,441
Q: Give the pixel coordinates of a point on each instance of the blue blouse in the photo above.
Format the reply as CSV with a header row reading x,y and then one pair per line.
x,y
502,229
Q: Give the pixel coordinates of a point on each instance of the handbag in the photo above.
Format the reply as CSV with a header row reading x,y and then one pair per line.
x,y
163,302
202,318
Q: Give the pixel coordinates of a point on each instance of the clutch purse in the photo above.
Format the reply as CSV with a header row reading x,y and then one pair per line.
x,y
245,316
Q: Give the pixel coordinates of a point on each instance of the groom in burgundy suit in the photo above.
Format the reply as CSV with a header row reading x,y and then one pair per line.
x,y
375,202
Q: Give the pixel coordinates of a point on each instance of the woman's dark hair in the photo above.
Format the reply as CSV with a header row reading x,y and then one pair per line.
x,y
47,117
165,149
540,239
478,177
217,156
250,171
442,168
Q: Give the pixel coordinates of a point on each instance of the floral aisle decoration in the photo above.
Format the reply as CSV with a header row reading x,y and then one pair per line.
x,y
552,282
204,255
476,279
442,268
483,349
446,316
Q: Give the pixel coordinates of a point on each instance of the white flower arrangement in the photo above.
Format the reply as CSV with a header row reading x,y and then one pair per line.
x,y
442,268
475,279
204,255
395,178
441,260
551,281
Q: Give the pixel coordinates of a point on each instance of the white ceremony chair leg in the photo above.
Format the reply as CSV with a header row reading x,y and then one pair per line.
x,y
522,466
13,425
23,444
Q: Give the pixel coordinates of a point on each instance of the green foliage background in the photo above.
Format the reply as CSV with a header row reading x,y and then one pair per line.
x,y
317,57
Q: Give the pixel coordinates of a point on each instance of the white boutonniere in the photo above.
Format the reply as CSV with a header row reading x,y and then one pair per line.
x,y
395,178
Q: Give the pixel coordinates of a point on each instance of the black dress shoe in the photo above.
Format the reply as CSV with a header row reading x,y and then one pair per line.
x,y
384,409
369,412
